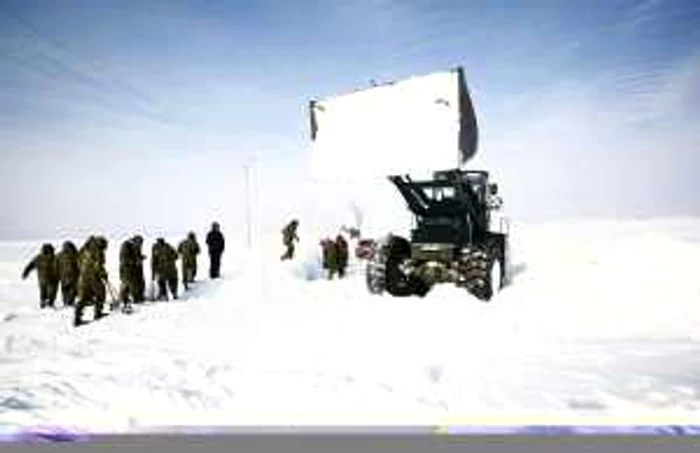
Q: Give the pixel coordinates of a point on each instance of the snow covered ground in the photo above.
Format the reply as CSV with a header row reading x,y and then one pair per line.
x,y
601,324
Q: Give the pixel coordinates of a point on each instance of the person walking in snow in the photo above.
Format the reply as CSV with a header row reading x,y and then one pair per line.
x,y
164,268
330,257
68,272
92,280
47,274
139,258
289,237
188,250
342,252
130,266
215,245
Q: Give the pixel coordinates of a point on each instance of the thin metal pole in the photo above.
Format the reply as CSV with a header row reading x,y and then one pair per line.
x,y
248,207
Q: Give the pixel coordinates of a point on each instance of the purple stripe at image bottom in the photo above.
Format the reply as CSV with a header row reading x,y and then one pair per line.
x,y
58,434
577,430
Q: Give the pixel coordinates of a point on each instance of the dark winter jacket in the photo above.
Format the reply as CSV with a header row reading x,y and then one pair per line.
x,y
188,250
45,264
215,242
130,261
342,252
163,261
68,264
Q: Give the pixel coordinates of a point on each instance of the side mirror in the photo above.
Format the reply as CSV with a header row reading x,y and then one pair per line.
x,y
493,188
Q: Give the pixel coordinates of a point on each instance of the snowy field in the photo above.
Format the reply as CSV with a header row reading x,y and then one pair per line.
x,y
601,324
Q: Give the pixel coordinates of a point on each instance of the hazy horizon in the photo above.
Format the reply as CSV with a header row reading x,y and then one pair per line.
x,y
120,117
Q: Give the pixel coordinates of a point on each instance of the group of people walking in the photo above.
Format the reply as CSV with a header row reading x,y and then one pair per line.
x,y
83,280
82,277
334,252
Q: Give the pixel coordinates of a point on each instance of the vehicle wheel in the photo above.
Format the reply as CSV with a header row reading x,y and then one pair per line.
x,y
374,277
396,252
479,268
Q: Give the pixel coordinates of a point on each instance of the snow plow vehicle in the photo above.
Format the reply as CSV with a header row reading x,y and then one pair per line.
x,y
452,240
422,125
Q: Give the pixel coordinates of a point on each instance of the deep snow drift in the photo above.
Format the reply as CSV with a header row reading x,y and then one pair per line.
x,y
600,324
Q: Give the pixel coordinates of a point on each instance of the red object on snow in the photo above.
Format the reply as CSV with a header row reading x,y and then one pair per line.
x,y
365,249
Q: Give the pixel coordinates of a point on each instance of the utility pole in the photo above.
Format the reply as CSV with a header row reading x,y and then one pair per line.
x,y
248,166
247,205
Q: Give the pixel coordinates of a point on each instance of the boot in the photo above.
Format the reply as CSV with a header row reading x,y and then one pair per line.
x,y
99,310
77,317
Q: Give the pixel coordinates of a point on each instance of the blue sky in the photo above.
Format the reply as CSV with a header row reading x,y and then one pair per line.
x,y
126,115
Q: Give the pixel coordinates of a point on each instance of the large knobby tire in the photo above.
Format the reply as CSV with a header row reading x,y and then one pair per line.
x,y
383,271
481,272
375,270
374,276
397,283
